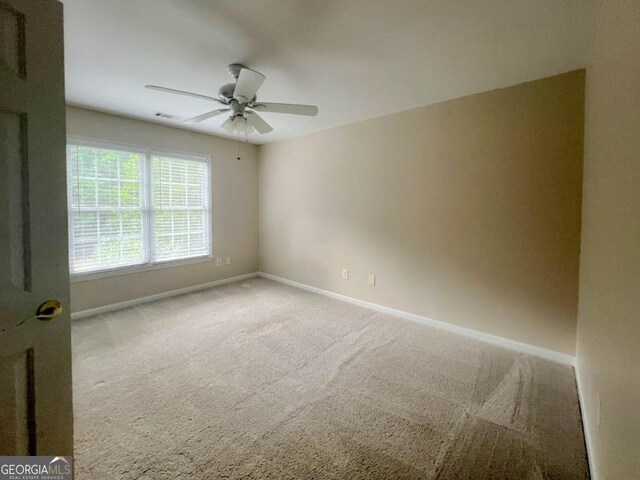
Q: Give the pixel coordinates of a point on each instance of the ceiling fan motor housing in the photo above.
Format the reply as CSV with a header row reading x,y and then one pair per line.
x,y
226,93
237,108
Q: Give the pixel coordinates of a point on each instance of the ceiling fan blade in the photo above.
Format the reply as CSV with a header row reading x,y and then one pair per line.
x,y
257,122
248,83
182,92
206,116
292,109
228,125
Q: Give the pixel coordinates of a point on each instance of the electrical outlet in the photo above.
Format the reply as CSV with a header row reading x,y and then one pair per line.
x,y
228,260
218,262
372,280
345,274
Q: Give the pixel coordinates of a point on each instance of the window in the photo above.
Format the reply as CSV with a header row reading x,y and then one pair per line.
x,y
180,211
132,208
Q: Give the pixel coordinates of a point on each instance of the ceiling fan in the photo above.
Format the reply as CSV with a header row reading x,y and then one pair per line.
x,y
240,100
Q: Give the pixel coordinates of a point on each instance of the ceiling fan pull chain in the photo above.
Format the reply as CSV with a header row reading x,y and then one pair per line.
x,y
238,145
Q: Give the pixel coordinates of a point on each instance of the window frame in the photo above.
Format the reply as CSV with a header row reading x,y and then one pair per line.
x,y
151,219
146,188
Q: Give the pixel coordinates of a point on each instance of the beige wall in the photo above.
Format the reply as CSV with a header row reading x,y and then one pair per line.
x,y
234,208
467,211
609,311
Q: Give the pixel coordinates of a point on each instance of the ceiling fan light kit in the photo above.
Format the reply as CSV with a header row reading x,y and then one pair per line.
x,y
239,100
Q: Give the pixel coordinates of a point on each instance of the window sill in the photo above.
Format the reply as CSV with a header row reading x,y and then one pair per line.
x,y
117,272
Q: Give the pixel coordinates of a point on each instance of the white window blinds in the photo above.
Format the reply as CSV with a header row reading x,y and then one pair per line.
x,y
106,217
180,208
130,208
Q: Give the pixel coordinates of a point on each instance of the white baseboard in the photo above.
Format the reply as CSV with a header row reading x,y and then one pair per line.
x,y
586,426
486,337
151,298
468,332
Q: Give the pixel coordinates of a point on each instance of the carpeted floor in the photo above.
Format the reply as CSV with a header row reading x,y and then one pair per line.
x,y
261,380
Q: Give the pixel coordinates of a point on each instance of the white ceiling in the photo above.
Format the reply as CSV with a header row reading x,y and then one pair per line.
x,y
355,59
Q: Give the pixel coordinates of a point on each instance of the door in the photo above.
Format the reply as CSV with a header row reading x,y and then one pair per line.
x,y
35,356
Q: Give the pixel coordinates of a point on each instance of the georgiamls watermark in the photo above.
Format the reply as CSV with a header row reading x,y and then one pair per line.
x,y
36,468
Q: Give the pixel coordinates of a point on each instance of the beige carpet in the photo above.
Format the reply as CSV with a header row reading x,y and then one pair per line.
x,y
261,380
